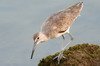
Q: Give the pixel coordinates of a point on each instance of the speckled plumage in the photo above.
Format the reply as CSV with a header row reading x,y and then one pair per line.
x,y
57,25
61,21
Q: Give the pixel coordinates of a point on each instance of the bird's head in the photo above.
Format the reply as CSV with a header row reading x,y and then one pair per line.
x,y
38,38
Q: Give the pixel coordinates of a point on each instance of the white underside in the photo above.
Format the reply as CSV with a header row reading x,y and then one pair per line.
x,y
67,31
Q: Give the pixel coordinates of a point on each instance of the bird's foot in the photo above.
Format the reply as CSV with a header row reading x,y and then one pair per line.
x,y
59,57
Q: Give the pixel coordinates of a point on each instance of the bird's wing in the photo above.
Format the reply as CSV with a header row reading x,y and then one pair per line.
x,y
55,22
59,21
62,20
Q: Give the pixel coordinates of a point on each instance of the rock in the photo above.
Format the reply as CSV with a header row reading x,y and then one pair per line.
x,y
78,55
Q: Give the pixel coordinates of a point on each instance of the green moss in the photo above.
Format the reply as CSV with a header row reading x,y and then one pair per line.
x,y
78,55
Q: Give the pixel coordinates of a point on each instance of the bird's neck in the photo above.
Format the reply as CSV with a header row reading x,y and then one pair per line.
x,y
44,37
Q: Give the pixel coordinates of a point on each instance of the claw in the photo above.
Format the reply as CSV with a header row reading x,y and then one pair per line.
x,y
59,57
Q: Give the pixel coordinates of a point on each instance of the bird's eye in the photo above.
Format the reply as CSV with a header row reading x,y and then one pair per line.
x,y
37,37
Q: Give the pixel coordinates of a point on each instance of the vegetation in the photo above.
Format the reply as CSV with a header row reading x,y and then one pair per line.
x,y
78,55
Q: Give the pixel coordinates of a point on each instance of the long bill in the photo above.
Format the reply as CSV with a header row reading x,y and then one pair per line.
x,y
34,47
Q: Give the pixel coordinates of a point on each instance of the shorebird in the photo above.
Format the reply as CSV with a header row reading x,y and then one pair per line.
x,y
57,25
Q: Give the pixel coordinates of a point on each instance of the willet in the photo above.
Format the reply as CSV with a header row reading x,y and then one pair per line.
x,y
57,25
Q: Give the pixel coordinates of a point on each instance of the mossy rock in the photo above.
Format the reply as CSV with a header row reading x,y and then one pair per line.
x,y
78,55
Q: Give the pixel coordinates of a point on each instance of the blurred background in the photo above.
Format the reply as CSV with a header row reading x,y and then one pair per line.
x,y
20,19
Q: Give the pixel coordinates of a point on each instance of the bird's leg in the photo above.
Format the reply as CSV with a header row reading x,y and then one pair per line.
x,y
60,56
69,41
63,41
61,52
72,38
